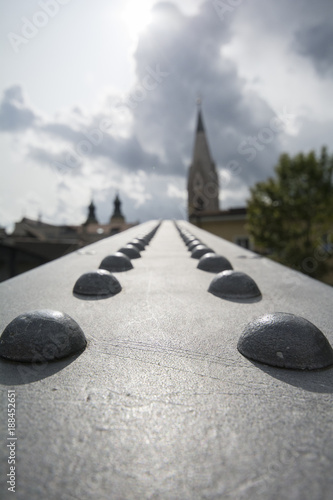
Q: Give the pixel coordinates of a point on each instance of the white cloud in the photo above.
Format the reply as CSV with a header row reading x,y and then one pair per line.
x,y
248,68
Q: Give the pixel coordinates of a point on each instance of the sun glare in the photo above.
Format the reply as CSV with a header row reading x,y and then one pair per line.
x,y
137,16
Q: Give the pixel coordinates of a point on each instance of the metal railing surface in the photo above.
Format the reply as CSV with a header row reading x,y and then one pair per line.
x,y
161,404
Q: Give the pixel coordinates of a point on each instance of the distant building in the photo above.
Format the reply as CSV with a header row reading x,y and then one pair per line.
x,y
117,217
203,183
228,224
34,242
3,233
91,219
203,195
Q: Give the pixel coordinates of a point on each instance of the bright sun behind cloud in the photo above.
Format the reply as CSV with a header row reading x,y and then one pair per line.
x,y
137,16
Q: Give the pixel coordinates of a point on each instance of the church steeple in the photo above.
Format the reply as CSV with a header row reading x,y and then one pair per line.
x,y
117,215
203,185
91,214
200,127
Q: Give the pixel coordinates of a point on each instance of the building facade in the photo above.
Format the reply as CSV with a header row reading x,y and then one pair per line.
x,y
33,242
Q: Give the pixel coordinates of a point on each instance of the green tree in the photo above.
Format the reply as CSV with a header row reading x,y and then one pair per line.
x,y
290,216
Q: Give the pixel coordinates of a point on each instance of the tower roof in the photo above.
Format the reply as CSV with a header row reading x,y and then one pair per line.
x,y
203,183
117,214
91,219
200,126
201,151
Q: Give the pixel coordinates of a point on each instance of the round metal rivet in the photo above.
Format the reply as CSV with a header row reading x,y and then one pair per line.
x,y
193,244
213,263
189,238
138,244
199,251
144,241
131,251
234,285
40,336
97,283
286,341
116,263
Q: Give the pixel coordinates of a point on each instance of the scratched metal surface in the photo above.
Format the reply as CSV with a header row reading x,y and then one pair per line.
x,y
161,405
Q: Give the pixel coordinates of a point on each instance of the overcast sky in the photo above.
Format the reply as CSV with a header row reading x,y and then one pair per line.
x,y
100,96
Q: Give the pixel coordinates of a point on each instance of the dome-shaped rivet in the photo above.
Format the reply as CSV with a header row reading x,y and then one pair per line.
x,y
142,240
40,336
286,341
97,283
116,263
189,239
137,244
193,244
213,263
199,251
131,251
234,285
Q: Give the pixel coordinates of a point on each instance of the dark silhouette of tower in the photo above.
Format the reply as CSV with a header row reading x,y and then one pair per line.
x,y
117,215
91,215
203,184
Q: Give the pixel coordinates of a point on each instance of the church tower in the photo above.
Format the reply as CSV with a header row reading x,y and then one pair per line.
x,y
117,215
91,215
203,184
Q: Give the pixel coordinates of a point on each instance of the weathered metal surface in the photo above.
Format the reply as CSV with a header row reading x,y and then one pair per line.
x,y
138,244
118,262
213,263
199,251
193,244
41,336
130,251
234,285
97,283
286,340
161,404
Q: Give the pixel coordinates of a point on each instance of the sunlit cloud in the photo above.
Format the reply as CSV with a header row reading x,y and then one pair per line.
x,y
116,109
136,17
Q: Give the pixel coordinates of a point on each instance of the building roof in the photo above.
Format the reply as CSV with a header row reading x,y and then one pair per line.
x,y
238,213
48,241
221,213
200,126
42,231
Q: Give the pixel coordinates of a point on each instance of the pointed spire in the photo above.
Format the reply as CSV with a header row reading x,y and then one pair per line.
x,y
200,126
91,219
203,183
117,215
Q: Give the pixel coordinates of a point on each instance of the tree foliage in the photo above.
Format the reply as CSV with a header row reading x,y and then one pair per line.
x,y
290,216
